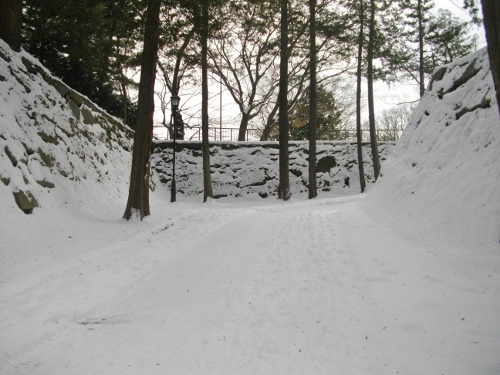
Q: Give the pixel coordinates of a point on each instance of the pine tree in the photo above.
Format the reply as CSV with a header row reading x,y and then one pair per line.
x,y
418,18
11,23
427,41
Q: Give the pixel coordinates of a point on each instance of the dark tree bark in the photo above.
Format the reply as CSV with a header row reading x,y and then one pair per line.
x,y
371,106
491,15
421,48
313,112
358,97
11,21
207,179
138,198
284,182
242,132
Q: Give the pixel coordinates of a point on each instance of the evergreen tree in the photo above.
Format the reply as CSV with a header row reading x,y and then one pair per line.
x,y
418,17
332,115
86,44
427,41
11,23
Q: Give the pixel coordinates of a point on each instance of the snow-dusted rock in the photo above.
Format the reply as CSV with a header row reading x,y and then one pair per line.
x,y
445,169
53,139
252,168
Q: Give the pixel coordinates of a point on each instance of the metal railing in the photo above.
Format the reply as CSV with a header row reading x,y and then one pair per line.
x,y
214,133
231,134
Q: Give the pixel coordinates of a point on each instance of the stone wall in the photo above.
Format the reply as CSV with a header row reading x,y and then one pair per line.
x,y
51,136
251,168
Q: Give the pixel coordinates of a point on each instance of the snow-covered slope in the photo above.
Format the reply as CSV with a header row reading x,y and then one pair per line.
x,y
444,175
61,158
55,144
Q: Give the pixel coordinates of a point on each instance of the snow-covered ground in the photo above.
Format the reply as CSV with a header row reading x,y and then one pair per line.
x,y
404,279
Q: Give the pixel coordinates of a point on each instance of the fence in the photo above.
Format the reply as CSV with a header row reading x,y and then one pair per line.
x,y
231,134
214,133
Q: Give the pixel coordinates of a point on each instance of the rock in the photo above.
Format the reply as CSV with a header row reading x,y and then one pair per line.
x,y
25,201
11,156
325,164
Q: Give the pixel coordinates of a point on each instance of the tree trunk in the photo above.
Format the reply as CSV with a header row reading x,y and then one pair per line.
x,y
313,112
284,182
358,98
491,15
138,198
371,106
421,48
11,24
242,133
207,179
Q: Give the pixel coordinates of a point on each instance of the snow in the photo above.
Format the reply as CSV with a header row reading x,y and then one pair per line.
x,y
404,279
252,169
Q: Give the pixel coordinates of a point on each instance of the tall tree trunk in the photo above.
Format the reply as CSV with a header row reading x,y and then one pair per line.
x,y
284,182
242,133
138,198
491,15
359,136
313,112
11,24
207,179
124,97
371,106
421,48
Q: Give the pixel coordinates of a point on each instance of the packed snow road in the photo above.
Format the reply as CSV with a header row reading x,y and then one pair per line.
x,y
305,287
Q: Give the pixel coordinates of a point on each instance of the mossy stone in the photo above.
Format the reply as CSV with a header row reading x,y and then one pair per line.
x,y
25,201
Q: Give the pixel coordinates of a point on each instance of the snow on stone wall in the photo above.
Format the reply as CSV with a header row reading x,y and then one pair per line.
x,y
252,168
445,169
55,145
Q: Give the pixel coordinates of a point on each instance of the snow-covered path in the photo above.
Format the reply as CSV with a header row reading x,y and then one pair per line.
x,y
306,287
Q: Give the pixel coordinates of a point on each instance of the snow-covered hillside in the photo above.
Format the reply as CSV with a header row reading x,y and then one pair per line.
x,y
55,144
444,175
402,280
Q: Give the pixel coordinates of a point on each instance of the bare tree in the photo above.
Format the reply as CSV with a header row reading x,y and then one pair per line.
x,y
393,121
243,57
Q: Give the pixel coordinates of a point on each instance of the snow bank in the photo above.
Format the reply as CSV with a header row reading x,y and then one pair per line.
x,y
62,158
444,175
